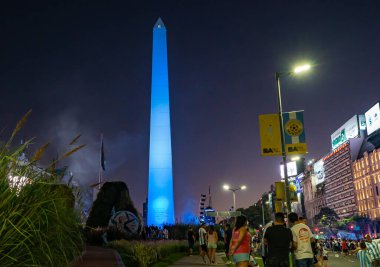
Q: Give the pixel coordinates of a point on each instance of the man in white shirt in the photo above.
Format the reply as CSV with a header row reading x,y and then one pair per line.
x,y
202,242
302,238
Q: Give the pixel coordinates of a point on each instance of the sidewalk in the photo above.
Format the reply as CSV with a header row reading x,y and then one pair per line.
x,y
98,257
196,260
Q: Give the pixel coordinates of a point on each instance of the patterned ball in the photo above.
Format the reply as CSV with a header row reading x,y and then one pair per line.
x,y
126,222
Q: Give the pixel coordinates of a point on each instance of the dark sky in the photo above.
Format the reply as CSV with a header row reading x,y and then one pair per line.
x,y
84,67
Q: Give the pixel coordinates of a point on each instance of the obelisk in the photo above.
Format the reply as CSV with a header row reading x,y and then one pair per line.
x,y
160,187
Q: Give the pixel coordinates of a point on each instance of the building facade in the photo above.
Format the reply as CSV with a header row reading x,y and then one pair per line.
x,y
314,194
340,193
366,171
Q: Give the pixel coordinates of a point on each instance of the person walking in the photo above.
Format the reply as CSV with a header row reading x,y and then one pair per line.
x,y
363,255
227,240
279,240
202,242
190,239
325,257
240,242
302,238
373,251
212,243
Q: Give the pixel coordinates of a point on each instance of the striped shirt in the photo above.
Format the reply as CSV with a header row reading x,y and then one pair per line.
x,y
364,258
202,234
373,250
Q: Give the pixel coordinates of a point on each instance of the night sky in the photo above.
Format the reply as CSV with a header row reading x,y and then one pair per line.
x,y
85,66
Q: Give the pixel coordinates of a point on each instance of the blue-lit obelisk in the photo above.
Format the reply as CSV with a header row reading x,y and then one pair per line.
x,y
160,188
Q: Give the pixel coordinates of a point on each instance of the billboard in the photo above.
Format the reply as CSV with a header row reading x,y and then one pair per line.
x,y
291,167
362,123
319,172
348,130
372,118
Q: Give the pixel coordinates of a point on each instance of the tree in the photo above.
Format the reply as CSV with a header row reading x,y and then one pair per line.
x,y
254,214
326,217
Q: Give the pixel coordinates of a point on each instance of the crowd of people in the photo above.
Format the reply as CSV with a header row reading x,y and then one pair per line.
x,y
279,244
155,233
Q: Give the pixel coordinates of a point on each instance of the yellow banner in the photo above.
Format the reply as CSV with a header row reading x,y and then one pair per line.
x,y
280,191
278,206
296,149
270,135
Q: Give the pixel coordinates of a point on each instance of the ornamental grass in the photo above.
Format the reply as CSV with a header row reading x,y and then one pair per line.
x,y
38,223
146,253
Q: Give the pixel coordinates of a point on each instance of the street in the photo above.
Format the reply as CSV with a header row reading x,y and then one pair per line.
x,y
342,261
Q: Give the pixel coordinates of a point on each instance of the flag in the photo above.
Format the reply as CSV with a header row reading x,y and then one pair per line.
x,y
280,191
102,159
270,135
294,133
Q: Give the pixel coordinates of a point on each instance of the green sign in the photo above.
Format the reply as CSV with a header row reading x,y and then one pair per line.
x,y
340,139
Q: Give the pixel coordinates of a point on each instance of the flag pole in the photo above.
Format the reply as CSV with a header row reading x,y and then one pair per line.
x,y
100,161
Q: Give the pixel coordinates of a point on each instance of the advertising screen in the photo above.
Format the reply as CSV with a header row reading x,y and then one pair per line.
x,y
348,130
372,118
362,123
319,172
292,169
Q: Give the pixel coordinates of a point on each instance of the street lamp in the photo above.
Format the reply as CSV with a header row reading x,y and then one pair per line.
x,y
227,187
297,70
262,209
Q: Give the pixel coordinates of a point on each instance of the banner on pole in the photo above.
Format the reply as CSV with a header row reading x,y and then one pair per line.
x,y
294,133
278,206
280,191
270,136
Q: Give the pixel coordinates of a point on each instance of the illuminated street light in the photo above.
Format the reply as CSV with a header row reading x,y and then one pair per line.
x,y
227,187
278,74
302,68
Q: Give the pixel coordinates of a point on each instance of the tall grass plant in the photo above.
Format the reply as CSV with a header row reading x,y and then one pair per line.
x,y
38,224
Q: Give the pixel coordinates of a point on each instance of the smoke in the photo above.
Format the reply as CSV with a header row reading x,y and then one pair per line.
x,y
83,164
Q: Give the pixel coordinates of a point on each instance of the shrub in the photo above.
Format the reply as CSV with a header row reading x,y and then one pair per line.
x,y
144,254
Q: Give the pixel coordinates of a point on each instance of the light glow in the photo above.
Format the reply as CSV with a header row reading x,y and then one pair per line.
x,y
302,68
226,187
160,188
295,158
243,187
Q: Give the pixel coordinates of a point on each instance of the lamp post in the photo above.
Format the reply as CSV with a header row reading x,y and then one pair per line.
x,y
284,159
227,187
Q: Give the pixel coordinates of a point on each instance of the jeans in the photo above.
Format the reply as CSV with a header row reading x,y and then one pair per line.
x,y
304,262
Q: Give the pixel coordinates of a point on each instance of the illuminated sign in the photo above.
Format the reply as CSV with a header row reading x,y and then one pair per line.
x,y
319,172
292,169
372,119
349,130
362,123
297,181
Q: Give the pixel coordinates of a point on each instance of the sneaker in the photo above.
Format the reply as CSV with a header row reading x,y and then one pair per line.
x,y
228,262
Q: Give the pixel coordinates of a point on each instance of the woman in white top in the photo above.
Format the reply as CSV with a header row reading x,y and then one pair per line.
x,y
212,240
